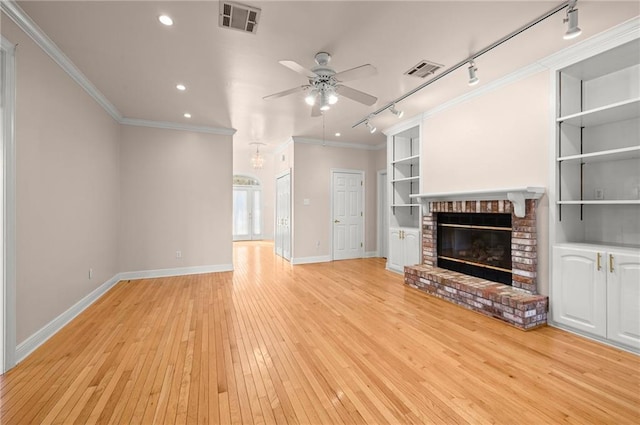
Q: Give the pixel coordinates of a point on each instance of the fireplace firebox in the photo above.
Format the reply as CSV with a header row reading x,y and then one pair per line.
x,y
476,244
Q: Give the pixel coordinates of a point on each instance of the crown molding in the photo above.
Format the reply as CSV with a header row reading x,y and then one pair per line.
x,y
606,40
166,125
346,145
26,24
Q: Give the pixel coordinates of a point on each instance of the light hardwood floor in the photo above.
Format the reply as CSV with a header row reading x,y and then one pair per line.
x,y
341,342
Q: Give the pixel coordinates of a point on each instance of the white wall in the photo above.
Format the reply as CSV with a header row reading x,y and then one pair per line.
x,y
497,140
313,164
176,195
67,206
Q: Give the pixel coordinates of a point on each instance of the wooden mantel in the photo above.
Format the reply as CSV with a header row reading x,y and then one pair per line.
x,y
517,196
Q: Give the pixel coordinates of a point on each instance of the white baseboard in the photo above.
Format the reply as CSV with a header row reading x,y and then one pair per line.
x,y
371,254
309,260
181,271
40,337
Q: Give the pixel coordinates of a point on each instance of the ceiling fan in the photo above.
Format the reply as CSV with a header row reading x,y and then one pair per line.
x,y
325,85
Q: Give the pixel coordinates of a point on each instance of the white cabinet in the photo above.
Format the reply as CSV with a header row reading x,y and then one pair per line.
x,y
403,154
404,248
596,290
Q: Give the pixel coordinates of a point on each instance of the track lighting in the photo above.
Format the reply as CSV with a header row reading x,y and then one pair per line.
x,y
572,18
371,128
395,112
473,78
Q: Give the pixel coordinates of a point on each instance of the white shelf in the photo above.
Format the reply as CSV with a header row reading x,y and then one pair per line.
x,y
602,202
608,155
411,160
405,205
406,179
619,111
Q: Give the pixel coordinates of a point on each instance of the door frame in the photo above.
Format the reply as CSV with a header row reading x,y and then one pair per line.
x,y
364,210
8,212
275,215
383,205
251,190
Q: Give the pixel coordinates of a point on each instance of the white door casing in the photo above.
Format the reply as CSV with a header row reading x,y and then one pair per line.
x,y
348,214
383,215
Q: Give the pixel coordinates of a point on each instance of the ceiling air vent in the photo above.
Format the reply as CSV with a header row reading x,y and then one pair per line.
x,y
239,16
423,68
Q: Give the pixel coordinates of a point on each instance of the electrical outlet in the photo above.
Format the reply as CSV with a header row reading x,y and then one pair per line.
x,y
90,273
598,194
178,254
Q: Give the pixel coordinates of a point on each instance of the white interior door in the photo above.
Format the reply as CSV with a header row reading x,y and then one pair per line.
x,y
247,217
283,216
348,214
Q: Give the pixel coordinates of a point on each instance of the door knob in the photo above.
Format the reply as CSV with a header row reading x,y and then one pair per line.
x,y
336,221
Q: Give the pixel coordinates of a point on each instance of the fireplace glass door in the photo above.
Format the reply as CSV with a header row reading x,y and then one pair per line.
x,y
476,244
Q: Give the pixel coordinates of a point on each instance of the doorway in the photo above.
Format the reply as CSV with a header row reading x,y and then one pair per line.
x,y
347,193
247,208
283,216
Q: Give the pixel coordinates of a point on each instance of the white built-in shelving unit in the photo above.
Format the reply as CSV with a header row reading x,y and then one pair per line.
x,y
595,229
403,153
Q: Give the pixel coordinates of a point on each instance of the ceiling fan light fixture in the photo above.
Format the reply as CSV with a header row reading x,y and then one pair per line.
x,y
310,98
396,112
573,29
325,101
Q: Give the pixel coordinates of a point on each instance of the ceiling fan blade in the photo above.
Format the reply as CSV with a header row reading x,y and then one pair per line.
x,y
361,71
356,95
296,67
315,110
286,92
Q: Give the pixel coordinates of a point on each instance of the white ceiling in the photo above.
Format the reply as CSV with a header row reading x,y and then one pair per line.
x,y
136,62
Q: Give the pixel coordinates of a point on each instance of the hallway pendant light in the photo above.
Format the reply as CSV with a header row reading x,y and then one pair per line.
x,y
572,18
257,160
396,112
473,78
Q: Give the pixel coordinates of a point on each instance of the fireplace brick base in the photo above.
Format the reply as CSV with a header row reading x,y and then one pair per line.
x,y
516,307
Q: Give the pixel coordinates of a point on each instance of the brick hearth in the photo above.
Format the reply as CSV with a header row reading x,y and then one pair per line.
x,y
517,304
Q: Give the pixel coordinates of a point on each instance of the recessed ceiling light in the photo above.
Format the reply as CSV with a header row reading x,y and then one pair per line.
x,y
337,134
187,115
165,20
181,87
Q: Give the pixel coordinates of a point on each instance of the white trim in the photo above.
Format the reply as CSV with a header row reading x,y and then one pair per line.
x,y
166,125
516,195
41,336
27,25
309,260
309,141
8,151
381,204
181,271
414,121
280,148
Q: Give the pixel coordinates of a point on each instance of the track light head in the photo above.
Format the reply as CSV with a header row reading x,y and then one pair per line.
x,y
396,112
371,128
573,29
473,78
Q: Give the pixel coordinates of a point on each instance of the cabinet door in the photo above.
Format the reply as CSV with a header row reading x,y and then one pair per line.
x,y
411,242
623,298
579,289
396,251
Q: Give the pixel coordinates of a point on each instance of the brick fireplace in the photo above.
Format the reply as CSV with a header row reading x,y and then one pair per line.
x,y
517,304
